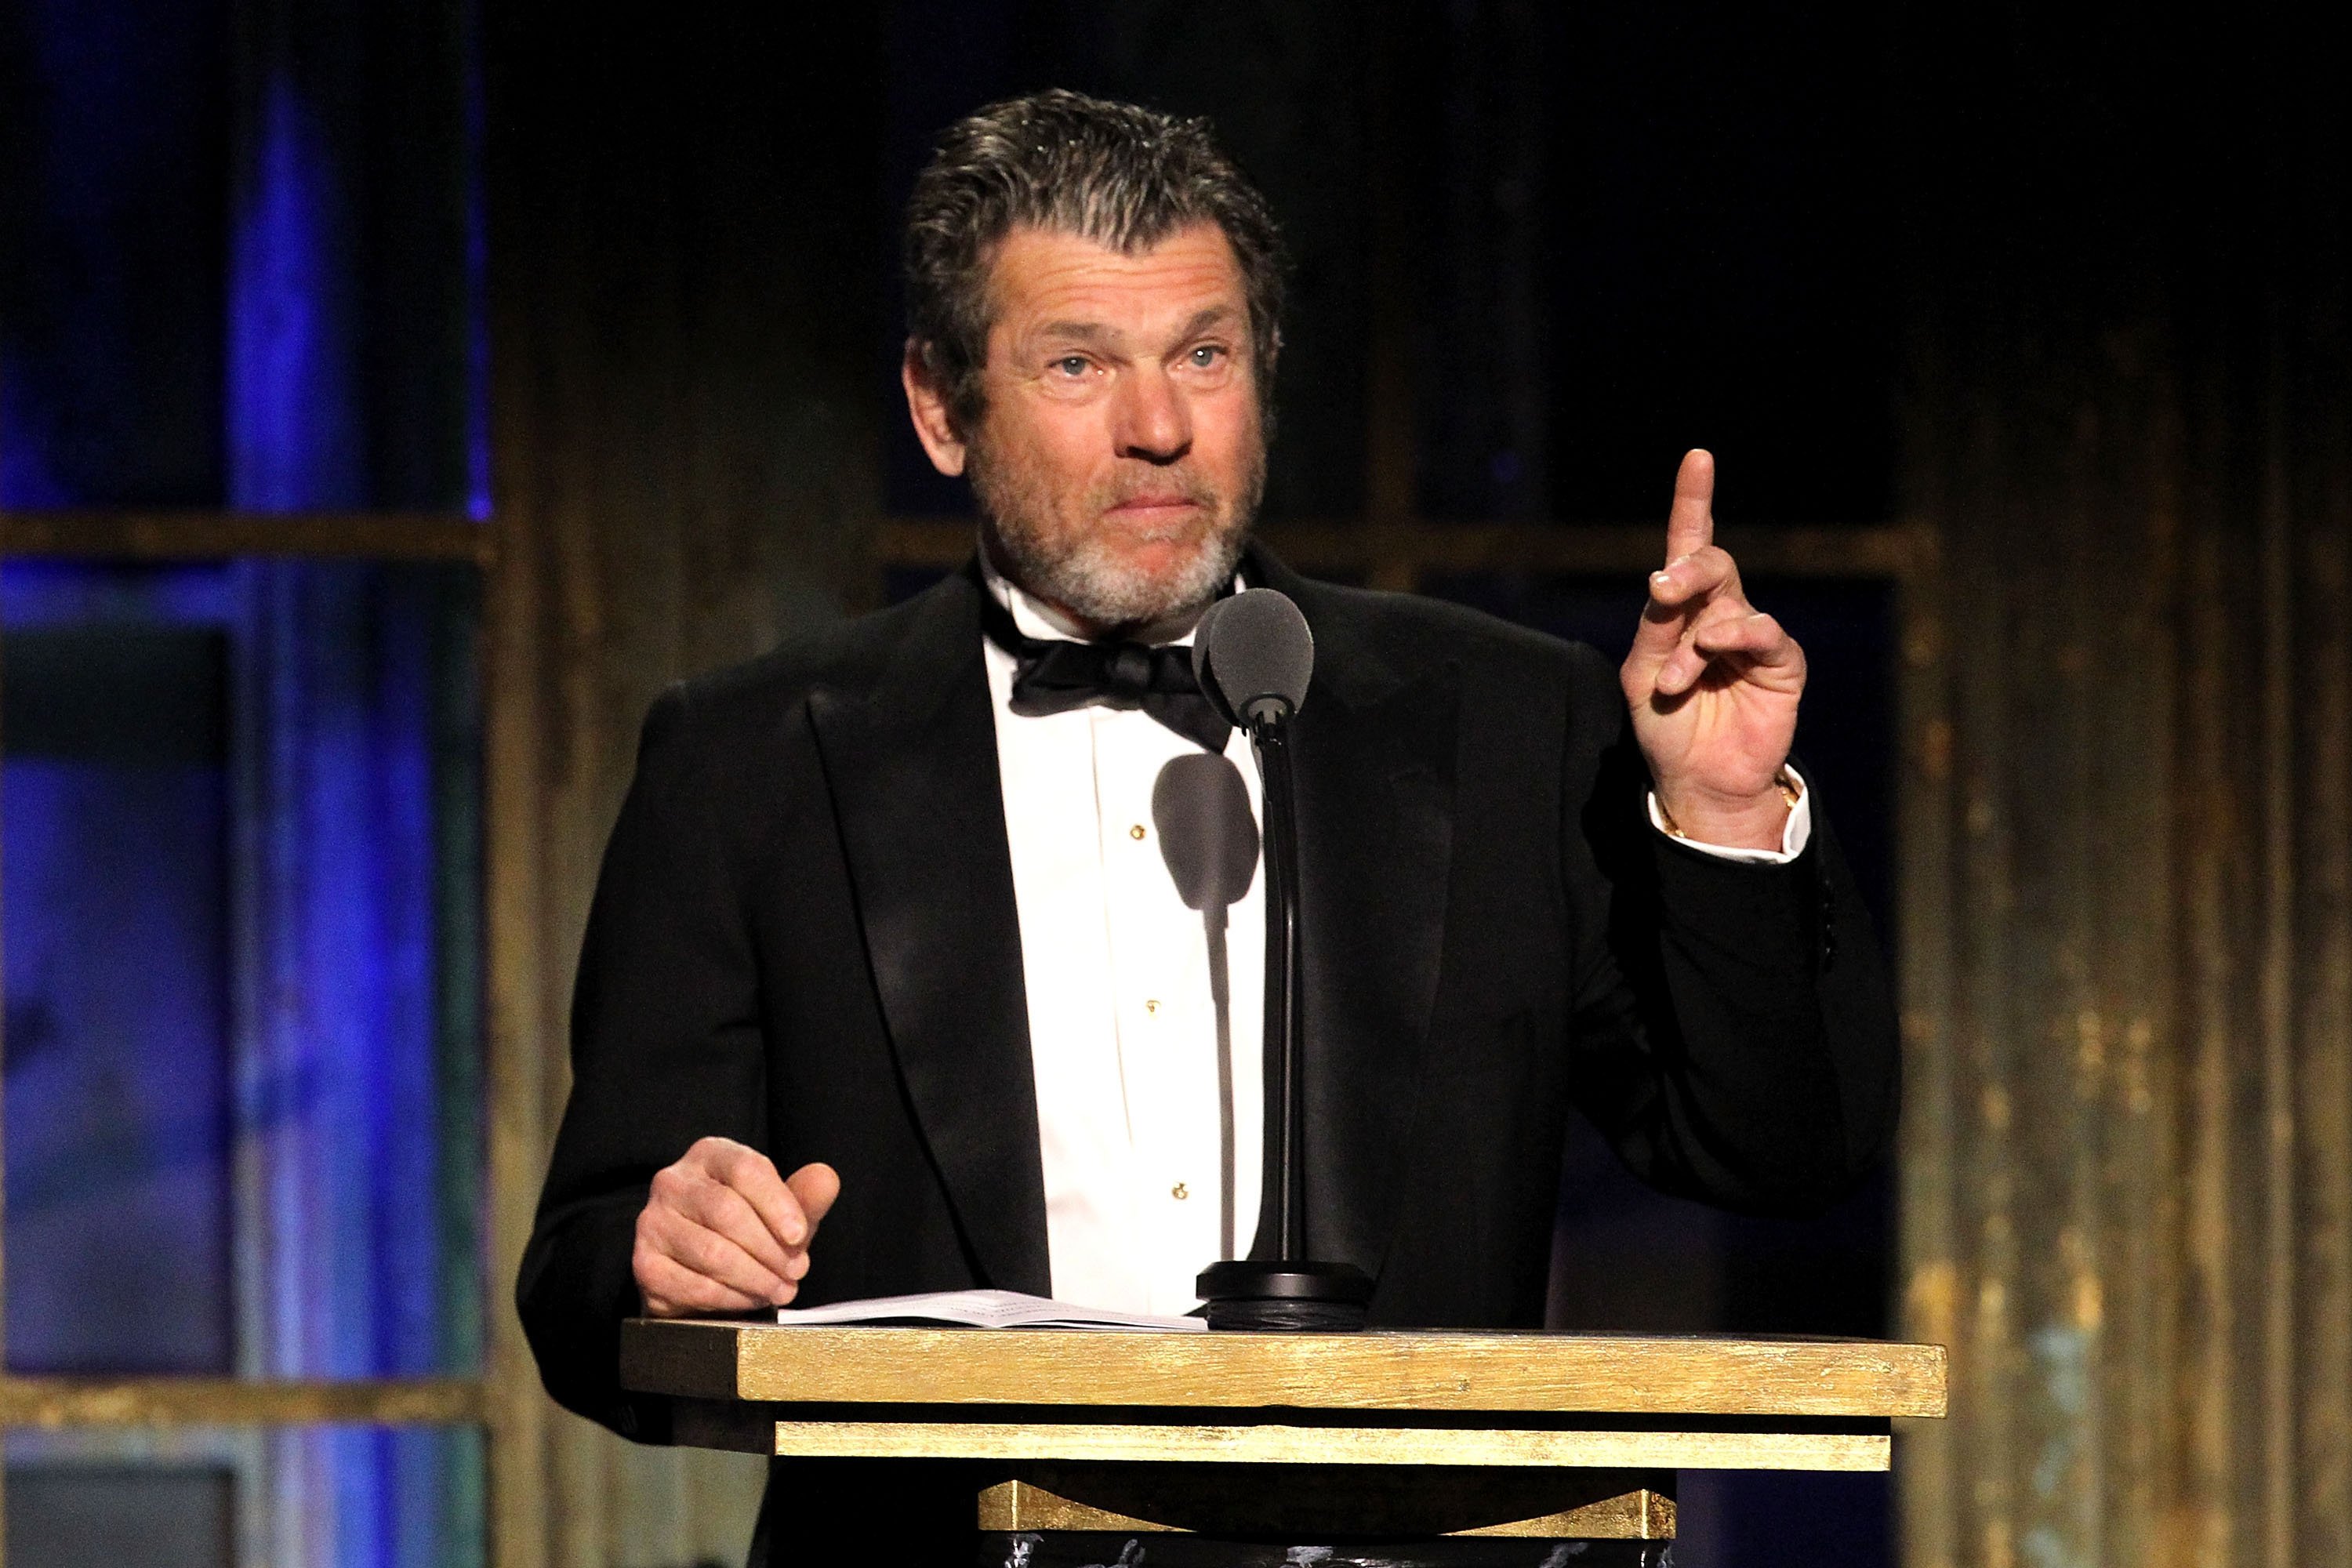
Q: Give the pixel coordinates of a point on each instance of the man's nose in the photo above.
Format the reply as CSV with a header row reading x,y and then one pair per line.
x,y
1154,423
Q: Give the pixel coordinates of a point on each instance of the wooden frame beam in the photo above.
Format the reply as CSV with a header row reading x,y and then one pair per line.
x,y
1399,553
60,1402
201,535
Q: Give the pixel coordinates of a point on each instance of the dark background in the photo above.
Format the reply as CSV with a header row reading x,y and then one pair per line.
x,y
1874,257
1622,228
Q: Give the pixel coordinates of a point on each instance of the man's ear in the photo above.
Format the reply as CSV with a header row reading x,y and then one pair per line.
x,y
927,405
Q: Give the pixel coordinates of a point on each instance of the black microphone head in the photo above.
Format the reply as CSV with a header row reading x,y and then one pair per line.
x,y
1253,653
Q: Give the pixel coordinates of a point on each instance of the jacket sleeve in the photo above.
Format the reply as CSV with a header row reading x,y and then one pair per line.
x,y
665,1048
1734,1030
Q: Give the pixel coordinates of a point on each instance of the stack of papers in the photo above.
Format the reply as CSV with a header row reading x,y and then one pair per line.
x,y
980,1309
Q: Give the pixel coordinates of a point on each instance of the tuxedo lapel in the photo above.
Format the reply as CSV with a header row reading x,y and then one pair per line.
x,y
910,758
1374,755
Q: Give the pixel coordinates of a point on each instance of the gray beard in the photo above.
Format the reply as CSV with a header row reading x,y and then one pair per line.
x,y
1084,578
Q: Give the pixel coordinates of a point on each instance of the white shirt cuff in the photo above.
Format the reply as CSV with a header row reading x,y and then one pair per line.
x,y
1795,834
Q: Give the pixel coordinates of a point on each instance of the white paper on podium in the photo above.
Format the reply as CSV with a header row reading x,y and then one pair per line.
x,y
980,1309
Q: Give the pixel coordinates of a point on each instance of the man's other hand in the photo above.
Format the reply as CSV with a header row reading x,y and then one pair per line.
x,y
724,1233
1713,683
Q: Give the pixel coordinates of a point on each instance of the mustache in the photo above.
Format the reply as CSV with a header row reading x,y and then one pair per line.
x,y
1157,484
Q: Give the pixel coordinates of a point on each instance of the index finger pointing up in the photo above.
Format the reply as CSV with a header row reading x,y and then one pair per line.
x,y
1691,524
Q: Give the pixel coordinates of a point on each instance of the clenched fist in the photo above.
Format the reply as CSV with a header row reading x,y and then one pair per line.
x,y
724,1233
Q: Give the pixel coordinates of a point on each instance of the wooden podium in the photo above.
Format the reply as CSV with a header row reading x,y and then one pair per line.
x,y
1452,1450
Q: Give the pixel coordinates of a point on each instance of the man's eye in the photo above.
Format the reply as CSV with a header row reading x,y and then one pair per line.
x,y
1206,356
1071,365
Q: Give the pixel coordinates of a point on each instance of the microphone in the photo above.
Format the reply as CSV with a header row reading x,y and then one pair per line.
x,y
1253,655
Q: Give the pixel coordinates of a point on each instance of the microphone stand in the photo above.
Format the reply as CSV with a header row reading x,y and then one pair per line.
x,y
1285,1031
1290,1293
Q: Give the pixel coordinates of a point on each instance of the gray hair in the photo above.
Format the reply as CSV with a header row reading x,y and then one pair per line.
x,y
1115,173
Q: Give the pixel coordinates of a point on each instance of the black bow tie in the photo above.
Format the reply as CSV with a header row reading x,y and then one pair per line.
x,y
1054,677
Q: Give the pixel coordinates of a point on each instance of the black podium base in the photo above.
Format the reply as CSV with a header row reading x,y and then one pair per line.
x,y
1091,1548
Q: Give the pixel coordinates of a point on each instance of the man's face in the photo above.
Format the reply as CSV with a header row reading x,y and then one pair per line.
x,y
1121,455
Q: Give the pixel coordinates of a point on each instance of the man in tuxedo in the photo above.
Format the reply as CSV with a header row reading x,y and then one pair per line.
x,y
888,985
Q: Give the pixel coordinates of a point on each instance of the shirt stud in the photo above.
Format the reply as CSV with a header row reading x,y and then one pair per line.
x,y
1151,1007
1180,1191
1136,831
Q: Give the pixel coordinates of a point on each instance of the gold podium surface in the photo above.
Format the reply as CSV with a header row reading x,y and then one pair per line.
x,y
1484,1400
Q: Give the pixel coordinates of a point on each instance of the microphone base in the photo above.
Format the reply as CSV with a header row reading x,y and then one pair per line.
x,y
1292,1296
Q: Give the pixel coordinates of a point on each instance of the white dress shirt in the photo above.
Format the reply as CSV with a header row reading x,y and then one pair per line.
x,y
1122,1030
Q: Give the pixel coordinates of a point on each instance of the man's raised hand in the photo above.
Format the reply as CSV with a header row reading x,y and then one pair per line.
x,y
722,1232
1713,683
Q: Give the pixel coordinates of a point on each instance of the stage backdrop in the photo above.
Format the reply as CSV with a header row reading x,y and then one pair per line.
x,y
2128,838
2022,335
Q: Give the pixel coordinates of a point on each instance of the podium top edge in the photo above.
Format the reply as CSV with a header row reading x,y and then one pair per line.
x,y
1525,1372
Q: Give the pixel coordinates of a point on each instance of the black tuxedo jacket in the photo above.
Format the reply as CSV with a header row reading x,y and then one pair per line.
x,y
804,938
